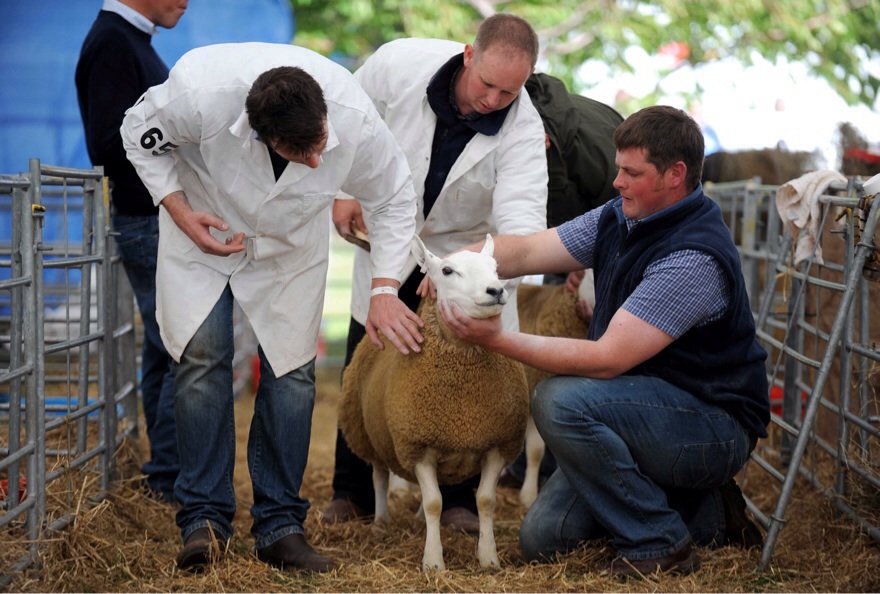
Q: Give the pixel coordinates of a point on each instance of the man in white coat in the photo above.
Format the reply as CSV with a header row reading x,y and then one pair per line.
x,y
245,147
475,145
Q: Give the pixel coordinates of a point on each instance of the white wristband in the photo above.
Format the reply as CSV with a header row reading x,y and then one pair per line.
x,y
383,291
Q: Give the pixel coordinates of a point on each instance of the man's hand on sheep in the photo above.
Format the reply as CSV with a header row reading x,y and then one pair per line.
x,y
390,317
585,291
427,289
484,332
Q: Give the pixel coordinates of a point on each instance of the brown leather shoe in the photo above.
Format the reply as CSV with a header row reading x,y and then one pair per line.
x,y
739,529
460,518
293,553
683,561
200,549
343,510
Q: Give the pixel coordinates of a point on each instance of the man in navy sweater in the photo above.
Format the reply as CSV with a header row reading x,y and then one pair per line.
x,y
116,65
652,415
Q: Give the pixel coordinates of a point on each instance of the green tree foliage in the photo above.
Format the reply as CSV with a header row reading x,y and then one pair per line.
x,y
837,38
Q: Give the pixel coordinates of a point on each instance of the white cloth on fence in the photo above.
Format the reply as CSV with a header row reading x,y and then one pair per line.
x,y
798,204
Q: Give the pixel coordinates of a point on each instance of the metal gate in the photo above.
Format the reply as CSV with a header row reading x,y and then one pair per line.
x,y
815,322
69,350
69,381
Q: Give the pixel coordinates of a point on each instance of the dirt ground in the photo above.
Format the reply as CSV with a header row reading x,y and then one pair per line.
x,y
127,543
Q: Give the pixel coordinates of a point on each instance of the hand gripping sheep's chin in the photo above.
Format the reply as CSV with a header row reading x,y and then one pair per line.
x,y
491,306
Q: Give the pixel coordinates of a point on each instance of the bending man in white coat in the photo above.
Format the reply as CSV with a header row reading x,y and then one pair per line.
x,y
246,146
475,145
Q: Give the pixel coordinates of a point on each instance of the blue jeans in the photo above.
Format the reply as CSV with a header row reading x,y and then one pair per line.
x,y
278,442
640,462
137,241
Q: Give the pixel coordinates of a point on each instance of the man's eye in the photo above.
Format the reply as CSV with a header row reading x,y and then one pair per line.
x,y
446,271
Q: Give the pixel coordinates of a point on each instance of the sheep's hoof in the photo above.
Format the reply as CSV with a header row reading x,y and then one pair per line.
x,y
428,567
492,564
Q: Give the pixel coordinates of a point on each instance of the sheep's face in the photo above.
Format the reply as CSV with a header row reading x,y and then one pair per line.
x,y
469,279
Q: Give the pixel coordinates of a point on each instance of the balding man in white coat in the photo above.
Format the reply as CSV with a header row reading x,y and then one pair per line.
x,y
246,146
475,145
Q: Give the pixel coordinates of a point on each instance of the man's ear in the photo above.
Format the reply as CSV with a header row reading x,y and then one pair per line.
x,y
677,174
469,52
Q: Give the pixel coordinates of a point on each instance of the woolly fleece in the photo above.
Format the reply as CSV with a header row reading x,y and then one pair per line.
x,y
454,397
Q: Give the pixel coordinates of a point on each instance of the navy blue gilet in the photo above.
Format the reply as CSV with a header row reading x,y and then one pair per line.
x,y
720,362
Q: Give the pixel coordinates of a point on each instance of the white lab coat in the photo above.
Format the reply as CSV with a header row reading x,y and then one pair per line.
x,y
497,185
280,280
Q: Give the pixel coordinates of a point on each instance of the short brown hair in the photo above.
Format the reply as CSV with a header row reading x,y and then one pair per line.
x,y
286,105
667,135
509,30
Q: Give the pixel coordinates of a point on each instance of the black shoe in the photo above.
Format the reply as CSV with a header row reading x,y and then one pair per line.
x,y
200,549
740,530
293,553
683,561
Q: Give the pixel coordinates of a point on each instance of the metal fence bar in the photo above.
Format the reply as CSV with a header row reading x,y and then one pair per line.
x,y
21,354
35,383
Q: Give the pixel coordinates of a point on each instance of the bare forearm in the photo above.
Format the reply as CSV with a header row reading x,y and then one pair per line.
x,y
539,253
561,356
177,205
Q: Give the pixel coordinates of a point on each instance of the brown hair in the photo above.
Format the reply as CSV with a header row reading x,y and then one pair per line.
x,y
286,105
508,30
668,135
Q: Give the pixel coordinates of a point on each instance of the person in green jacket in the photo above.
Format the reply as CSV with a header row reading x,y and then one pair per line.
x,y
580,152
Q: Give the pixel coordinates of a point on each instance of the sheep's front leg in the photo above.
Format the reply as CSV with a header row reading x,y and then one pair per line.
x,y
492,466
432,505
534,453
380,487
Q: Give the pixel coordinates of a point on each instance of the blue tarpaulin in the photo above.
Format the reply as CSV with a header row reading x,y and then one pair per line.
x,y
39,47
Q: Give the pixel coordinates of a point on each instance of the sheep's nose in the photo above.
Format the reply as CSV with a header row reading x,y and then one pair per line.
x,y
497,294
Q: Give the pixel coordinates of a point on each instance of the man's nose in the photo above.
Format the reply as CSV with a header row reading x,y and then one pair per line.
x,y
493,99
313,160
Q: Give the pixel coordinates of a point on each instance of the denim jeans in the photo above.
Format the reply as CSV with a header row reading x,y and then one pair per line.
x,y
137,241
278,442
640,462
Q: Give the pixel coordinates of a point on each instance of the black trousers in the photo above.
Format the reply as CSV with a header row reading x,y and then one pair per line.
x,y
352,477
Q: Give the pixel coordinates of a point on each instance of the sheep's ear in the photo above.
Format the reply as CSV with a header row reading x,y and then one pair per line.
x,y
420,252
489,246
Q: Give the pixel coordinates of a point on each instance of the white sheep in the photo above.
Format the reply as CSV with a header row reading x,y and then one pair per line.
x,y
445,414
547,310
